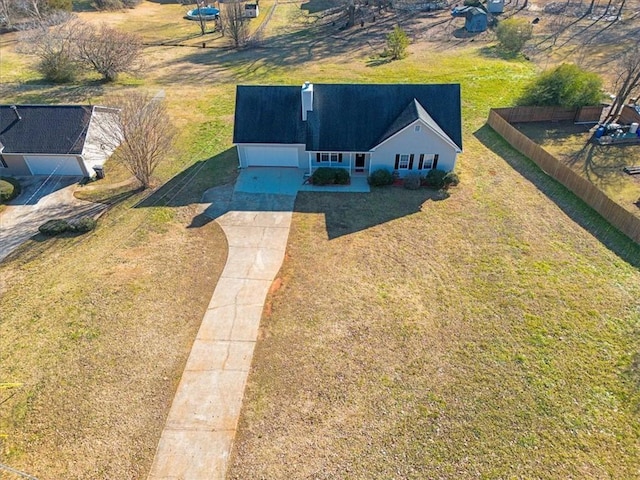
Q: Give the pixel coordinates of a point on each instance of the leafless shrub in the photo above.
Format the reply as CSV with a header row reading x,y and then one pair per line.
x,y
55,47
108,51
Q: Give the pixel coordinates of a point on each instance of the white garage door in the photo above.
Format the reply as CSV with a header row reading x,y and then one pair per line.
x,y
45,165
271,156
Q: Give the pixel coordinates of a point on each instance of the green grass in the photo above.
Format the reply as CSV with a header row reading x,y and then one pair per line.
x,y
489,334
484,335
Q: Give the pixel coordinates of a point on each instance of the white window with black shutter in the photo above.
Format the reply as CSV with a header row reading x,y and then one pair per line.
x,y
404,161
428,161
328,157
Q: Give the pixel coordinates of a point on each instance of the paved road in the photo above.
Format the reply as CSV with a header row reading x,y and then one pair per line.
x,y
42,199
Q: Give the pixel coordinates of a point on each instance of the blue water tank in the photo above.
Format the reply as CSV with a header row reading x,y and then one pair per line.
x,y
600,131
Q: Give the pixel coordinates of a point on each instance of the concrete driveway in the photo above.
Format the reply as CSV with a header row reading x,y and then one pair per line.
x,y
43,198
198,436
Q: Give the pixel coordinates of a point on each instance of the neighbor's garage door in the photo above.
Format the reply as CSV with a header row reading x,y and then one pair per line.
x,y
44,165
271,156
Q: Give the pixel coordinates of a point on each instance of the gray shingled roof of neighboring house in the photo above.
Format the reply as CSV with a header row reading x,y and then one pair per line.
x,y
344,117
44,129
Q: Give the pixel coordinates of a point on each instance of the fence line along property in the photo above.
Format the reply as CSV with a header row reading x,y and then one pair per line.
x,y
615,214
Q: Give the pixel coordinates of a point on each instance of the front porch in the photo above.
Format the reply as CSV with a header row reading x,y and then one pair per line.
x,y
289,181
356,163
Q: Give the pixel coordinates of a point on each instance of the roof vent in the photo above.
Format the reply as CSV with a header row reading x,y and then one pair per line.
x,y
15,110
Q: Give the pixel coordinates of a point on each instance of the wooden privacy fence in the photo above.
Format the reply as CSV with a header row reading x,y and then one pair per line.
x,y
551,114
616,215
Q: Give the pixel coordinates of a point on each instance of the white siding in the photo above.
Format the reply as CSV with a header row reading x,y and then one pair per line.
x,y
103,137
408,142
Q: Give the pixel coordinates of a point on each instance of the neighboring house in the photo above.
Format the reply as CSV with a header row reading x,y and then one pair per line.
x,y
54,139
403,128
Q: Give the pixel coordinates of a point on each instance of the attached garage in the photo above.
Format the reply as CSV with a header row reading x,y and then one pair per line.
x,y
267,156
52,164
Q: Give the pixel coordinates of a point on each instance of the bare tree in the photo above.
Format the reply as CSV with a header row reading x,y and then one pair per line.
x,y
233,23
627,83
109,51
141,134
55,47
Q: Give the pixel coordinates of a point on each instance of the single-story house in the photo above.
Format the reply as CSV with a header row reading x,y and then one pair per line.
x,y
404,128
54,139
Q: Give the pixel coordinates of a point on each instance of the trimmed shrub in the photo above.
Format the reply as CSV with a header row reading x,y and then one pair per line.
x,y
451,179
84,224
58,226
435,179
323,176
341,177
330,176
412,181
9,189
380,178
54,227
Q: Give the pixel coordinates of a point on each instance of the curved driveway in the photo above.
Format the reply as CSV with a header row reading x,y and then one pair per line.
x,y
198,436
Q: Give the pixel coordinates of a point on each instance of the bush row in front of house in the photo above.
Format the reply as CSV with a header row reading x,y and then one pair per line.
x,y
330,176
434,179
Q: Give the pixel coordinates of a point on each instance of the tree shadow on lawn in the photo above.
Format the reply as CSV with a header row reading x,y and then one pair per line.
x,y
188,186
569,203
319,41
347,213
38,91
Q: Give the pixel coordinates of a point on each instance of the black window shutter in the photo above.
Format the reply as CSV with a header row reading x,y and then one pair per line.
x,y
397,161
411,161
318,157
339,158
421,161
435,161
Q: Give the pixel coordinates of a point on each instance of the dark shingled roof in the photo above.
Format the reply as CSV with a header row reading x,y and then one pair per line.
x,y
53,129
344,117
268,114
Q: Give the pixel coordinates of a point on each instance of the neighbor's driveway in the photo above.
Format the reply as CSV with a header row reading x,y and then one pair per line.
x,y
42,199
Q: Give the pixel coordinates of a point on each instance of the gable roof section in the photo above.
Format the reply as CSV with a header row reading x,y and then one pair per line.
x,y
268,114
356,117
345,117
409,115
44,129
